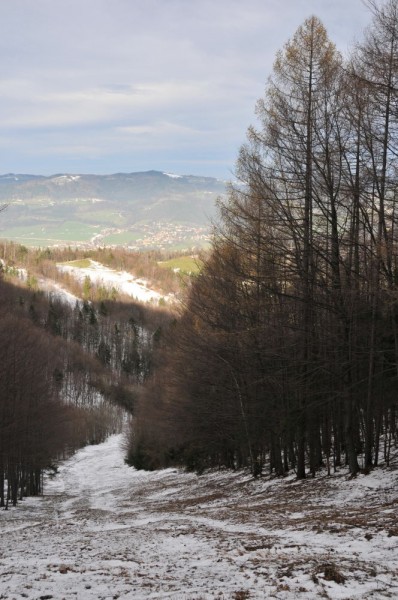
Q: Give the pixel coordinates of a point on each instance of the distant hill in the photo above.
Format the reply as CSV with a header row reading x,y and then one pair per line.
x,y
116,209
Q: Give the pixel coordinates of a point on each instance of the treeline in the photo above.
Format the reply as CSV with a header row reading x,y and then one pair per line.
x,y
287,352
67,377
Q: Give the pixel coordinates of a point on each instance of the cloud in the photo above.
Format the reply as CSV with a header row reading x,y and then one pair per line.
x,y
93,105
112,75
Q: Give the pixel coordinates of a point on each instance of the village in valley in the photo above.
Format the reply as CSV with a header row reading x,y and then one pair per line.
x,y
162,235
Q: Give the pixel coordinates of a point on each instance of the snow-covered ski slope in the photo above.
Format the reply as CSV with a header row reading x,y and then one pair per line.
x,y
105,531
122,281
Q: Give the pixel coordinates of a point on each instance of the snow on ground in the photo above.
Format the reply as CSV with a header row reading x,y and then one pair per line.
x,y
57,292
103,530
121,280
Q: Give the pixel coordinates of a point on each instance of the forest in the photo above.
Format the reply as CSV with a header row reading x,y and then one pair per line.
x,y
286,354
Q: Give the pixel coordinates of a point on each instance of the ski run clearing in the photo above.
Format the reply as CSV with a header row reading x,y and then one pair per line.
x,y
122,281
103,530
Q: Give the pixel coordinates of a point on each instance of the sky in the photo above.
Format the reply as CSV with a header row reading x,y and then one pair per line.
x,y
105,86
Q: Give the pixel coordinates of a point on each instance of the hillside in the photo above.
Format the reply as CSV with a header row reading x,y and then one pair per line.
x,y
103,530
148,209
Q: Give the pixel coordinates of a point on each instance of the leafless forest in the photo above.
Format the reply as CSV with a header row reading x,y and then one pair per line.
x,y
286,355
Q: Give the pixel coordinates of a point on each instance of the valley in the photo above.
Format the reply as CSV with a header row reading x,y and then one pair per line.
x,y
138,211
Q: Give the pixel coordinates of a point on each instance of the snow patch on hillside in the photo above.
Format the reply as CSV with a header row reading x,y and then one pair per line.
x,y
173,176
57,292
122,281
63,179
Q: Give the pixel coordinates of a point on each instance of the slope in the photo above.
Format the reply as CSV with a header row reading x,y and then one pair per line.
x,y
103,530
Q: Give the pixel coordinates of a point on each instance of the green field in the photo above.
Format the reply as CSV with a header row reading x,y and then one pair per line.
x,y
120,239
50,234
83,263
185,264
101,215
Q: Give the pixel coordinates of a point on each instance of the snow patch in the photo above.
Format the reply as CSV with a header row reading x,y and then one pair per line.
x,y
122,281
173,176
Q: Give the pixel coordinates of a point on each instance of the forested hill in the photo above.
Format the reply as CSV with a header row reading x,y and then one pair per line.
x,y
143,195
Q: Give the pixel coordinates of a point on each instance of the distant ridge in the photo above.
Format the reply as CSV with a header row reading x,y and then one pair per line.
x,y
116,186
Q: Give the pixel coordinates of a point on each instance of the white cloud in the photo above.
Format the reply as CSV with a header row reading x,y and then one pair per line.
x,y
96,105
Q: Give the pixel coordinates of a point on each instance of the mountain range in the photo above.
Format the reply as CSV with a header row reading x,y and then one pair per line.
x,y
118,209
